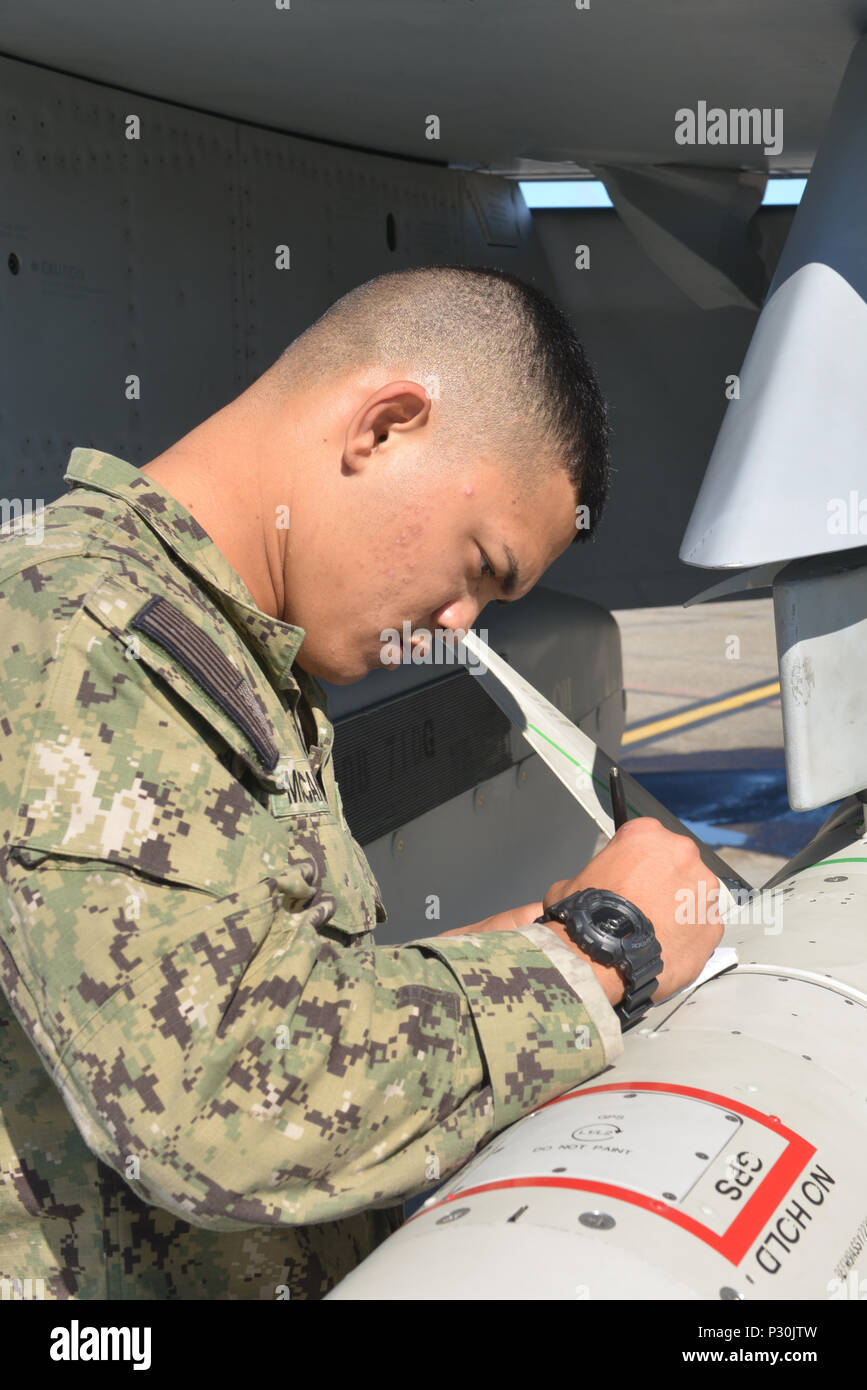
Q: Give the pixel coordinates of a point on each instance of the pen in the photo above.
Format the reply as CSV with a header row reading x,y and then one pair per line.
x,y
618,800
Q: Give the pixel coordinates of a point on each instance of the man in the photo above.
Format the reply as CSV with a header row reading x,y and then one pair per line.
x,y
216,1085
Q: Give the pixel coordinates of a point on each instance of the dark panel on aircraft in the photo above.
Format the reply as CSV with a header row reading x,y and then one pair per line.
x,y
412,753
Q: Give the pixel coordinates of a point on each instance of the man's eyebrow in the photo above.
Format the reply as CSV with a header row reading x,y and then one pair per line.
x,y
512,580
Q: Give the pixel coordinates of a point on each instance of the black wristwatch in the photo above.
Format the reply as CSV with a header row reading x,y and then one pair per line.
x,y
614,932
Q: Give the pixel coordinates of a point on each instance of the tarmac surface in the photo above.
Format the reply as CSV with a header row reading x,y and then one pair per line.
x,y
704,730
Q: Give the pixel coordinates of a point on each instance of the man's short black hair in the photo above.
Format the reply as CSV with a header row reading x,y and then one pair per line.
x,y
502,360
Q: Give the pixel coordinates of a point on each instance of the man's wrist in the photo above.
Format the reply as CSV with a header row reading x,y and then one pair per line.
x,y
608,976
508,920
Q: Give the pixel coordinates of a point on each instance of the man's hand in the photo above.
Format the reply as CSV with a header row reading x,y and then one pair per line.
x,y
662,874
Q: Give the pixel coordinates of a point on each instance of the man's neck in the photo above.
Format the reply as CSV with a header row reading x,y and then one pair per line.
x,y
217,479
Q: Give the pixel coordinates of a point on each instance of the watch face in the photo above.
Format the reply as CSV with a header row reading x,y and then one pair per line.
x,y
613,920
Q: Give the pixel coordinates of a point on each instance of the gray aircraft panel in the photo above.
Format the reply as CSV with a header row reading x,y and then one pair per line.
x,y
157,258
531,79
784,477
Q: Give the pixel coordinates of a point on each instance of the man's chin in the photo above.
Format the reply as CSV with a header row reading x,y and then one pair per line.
x,y
335,675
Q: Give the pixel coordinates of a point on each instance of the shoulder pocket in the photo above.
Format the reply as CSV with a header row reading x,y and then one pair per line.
x,y
140,771
177,647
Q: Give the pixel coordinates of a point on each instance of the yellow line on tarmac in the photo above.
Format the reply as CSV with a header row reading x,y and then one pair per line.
x,y
691,716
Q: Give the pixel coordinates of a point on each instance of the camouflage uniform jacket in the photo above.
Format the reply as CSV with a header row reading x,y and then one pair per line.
x,y
214,1084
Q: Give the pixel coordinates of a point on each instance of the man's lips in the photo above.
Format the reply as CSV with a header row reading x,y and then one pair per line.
x,y
419,639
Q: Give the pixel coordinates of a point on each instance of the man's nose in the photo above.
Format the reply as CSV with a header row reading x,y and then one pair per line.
x,y
459,615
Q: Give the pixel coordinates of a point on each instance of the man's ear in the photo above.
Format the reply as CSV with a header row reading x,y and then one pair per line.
x,y
392,410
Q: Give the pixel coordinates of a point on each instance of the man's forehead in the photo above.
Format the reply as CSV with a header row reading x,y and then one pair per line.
x,y
549,485
546,512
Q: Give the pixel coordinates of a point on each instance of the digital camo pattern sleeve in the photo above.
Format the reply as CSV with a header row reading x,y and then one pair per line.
x,y
186,932
263,1070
